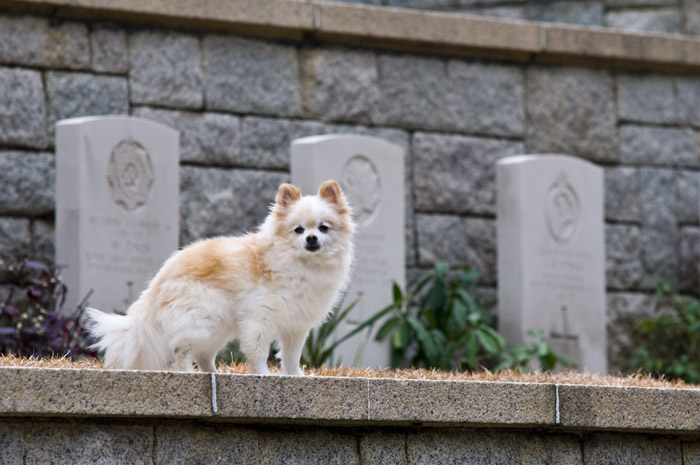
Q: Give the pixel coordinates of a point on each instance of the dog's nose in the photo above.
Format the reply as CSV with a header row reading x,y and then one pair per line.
x,y
311,239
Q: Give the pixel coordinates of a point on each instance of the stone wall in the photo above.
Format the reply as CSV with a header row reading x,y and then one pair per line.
x,y
239,101
667,16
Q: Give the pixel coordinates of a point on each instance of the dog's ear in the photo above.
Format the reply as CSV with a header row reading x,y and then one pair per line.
x,y
287,195
330,192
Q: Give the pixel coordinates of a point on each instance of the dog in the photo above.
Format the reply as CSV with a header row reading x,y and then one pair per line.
x,y
275,284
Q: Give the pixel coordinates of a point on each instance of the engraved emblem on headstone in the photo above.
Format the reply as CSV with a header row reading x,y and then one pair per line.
x,y
129,174
563,210
361,182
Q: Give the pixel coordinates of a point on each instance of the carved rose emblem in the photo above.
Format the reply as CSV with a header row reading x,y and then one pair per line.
x,y
129,174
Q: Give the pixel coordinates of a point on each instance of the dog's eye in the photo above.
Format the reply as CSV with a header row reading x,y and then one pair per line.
x,y
299,230
323,227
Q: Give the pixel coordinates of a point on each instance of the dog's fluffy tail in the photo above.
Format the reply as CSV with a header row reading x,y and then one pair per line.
x,y
129,342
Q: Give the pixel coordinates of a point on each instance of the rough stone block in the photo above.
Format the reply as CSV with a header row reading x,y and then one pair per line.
x,y
659,226
33,391
14,238
691,11
641,409
383,448
691,453
688,188
341,85
413,92
217,202
27,183
420,4
470,241
108,50
22,108
650,20
658,146
589,13
623,251
622,194
205,138
689,258
43,245
624,312
304,447
647,99
34,41
452,447
267,398
571,111
506,12
12,450
165,69
265,142
689,99
78,443
475,403
77,94
250,76
485,99
185,443
457,174
627,449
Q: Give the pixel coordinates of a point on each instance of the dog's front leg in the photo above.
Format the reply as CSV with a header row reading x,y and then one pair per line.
x,y
292,345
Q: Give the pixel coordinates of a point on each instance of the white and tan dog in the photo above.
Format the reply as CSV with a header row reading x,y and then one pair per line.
x,y
275,284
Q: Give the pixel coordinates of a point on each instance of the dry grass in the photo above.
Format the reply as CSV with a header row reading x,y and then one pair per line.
x,y
569,377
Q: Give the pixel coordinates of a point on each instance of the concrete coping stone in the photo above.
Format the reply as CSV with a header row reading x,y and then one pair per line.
x,y
234,398
392,28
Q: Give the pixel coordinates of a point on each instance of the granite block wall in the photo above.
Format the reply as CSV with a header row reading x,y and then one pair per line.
x,y
238,103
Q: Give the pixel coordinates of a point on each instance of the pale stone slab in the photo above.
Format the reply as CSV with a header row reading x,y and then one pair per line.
x,y
371,172
551,255
117,191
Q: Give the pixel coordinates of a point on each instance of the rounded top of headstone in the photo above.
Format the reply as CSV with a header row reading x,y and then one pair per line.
x,y
360,143
547,158
108,120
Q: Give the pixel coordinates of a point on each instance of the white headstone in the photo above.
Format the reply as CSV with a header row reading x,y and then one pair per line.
x,y
551,255
117,206
371,173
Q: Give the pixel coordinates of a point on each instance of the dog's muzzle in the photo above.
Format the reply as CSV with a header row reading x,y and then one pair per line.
x,y
312,244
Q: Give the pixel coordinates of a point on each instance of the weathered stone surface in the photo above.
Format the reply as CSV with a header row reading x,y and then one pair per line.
x,y
77,443
185,443
22,108
652,20
692,17
223,202
688,196
659,227
101,393
691,453
383,448
572,111
108,49
413,92
647,99
28,40
485,98
452,447
470,241
421,4
645,409
689,99
506,12
304,447
658,146
265,142
622,194
418,401
77,94
43,236
626,3
628,450
251,76
589,13
206,138
27,183
623,253
457,174
165,69
14,238
689,258
297,398
11,452
341,85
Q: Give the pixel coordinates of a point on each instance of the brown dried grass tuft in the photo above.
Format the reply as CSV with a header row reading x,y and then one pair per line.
x,y
569,377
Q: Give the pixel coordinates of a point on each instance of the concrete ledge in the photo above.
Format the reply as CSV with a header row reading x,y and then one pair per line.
x,y
344,401
390,28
